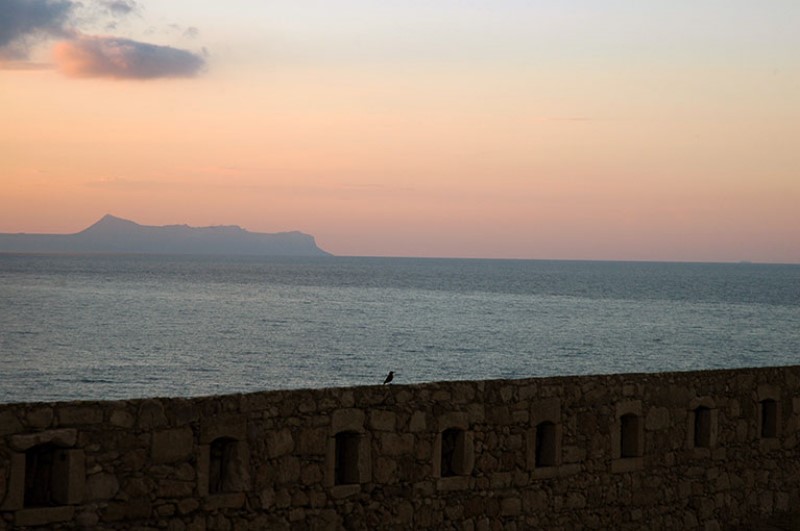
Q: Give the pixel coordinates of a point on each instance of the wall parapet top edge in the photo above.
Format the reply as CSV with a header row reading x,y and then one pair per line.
x,y
394,387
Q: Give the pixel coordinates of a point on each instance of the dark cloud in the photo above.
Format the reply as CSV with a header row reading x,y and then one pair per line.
x,y
23,22
117,58
121,8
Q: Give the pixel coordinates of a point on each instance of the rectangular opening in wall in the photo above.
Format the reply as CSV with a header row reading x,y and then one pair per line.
x,y
702,427
346,458
629,435
452,457
769,419
545,445
40,481
222,471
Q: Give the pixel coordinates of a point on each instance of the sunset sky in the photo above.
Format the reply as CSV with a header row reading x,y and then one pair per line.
x,y
630,130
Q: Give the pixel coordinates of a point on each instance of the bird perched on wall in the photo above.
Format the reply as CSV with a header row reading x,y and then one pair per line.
x,y
389,377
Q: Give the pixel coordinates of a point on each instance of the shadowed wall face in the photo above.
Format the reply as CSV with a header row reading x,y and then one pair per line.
x,y
535,453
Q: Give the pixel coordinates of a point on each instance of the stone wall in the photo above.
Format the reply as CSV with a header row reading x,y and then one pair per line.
x,y
697,450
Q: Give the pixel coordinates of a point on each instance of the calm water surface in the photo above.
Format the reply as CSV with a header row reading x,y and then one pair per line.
x,y
103,327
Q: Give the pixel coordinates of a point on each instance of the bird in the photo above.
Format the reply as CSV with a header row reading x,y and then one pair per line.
x,y
389,377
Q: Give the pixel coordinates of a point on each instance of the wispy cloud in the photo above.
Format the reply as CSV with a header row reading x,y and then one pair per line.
x,y
123,183
117,58
24,65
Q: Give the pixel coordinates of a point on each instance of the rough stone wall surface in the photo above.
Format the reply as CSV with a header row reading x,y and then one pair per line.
x,y
155,463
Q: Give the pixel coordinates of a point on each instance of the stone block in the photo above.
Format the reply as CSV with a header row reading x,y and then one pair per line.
x,y
520,417
279,443
79,415
9,423
573,454
344,491
454,512
569,470
138,487
151,415
575,500
506,393
64,438
690,521
765,502
527,392
311,474
267,498
511,506
39,418
169,488
405,514
476,413
226,425
385,470
657,419
122,418
185,472
347,419
311,441
165,510
140,508
288,470
317,499
135,459
417,422
299,499
453,483
424,489
198,523
423,448
394,444
734,408
441,395
228,500
183,411
500,415
401,397
382,420
87,520
501,480
172,445
43,516
101,486
463,392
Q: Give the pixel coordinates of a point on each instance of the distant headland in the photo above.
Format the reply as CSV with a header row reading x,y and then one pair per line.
x,y
115,235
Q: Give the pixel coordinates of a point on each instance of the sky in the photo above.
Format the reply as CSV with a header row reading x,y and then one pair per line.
x,y
569,129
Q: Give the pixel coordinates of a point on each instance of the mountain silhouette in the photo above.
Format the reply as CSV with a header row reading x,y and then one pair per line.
x,y
116,235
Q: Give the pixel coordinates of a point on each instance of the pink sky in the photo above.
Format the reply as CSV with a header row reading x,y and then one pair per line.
x,y
621,131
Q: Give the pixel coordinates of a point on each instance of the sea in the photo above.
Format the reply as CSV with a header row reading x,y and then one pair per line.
x,y
99,327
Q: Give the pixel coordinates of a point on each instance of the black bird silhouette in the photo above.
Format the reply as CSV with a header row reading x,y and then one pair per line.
x,y
389,377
